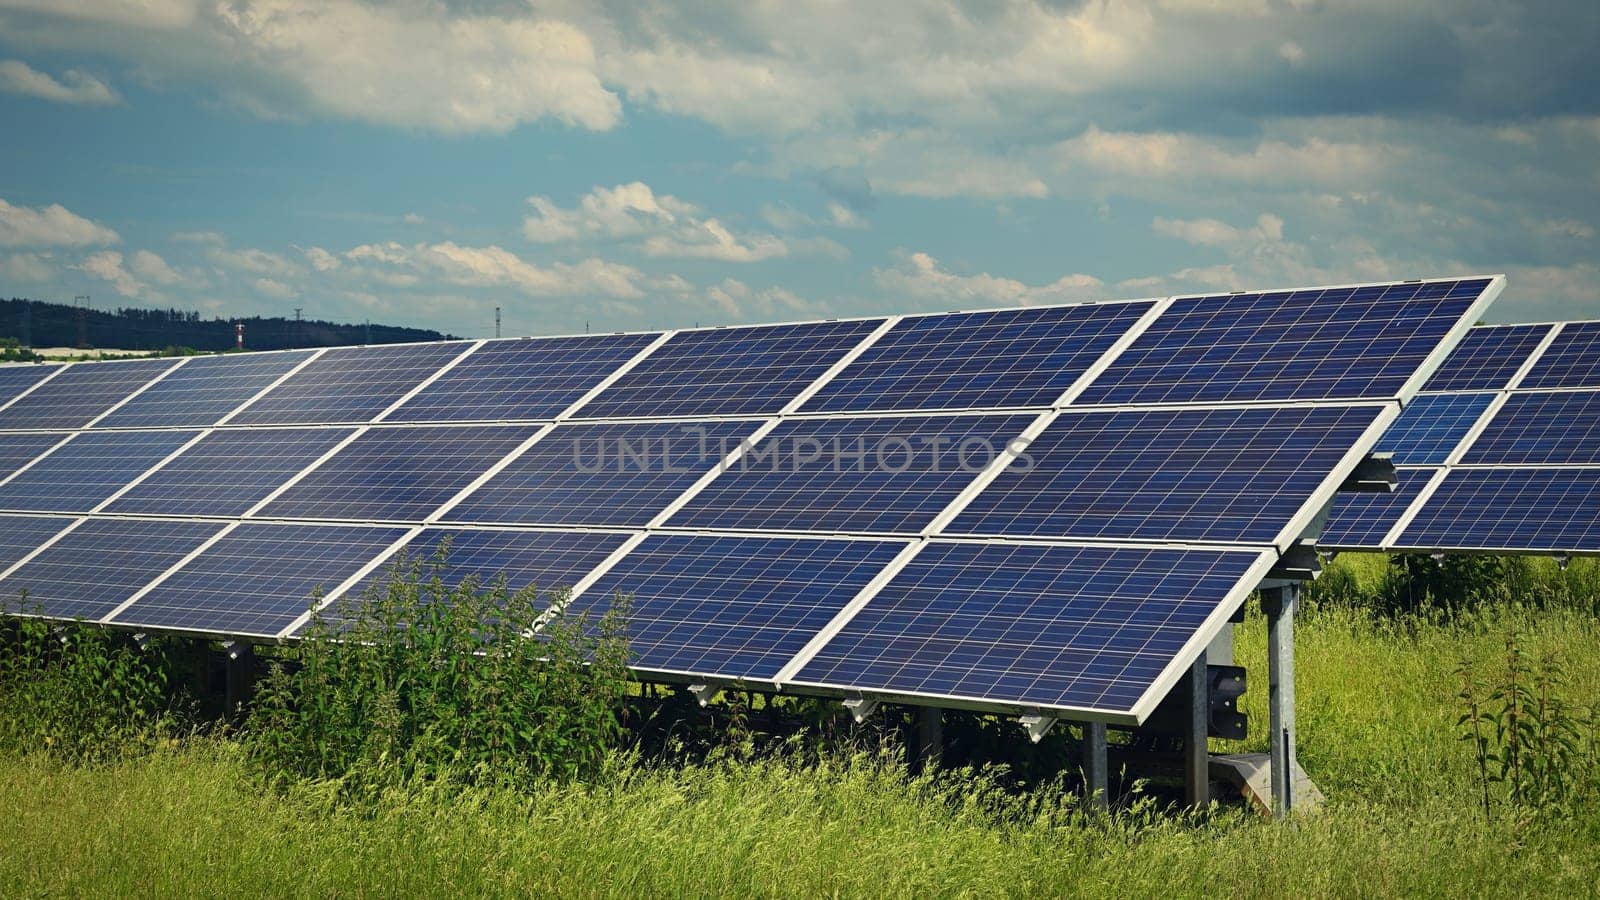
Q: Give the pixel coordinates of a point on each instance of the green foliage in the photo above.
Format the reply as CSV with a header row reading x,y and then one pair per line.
x,y
80,692
1418,582
422,680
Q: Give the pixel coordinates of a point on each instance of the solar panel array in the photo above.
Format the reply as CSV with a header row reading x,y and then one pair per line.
x,y
1500,453
1051,508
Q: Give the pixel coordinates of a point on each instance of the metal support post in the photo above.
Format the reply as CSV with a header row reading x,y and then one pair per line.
x,y
930,737
1096,784
241,676
1196,755
1279,605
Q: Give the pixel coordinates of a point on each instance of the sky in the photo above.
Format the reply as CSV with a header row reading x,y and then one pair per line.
x,y
640,165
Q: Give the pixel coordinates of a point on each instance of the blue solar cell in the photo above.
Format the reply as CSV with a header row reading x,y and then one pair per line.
x,y
398,474
610,474
88,469
890,474
259,578
999,359
101,563
728,371
735,607
1538,510
521,380
17,450
1200,475
1336,343
227,472
21,535
203,390
18,377
1572,359
1360,521
1487,357
1072,627
1432,426
1541,428
349,384
85,390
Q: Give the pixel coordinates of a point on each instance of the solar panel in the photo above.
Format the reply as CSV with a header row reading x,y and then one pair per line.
x,y
1487,357
1572,360
998,359
728,371
611,474
852,475
735,607
396,474
1359,521
1541,428
1074,627
85,390
1533,510
21,535
547,561
258,578
227,472
17,450
203,390
349,384
1234,475
100,564
18,377
1431,428
88,469
521,380
1318,344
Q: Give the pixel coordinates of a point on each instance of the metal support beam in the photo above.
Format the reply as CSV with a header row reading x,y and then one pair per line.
x,y
1196,755
930,737
241,676
1279,604
1096,783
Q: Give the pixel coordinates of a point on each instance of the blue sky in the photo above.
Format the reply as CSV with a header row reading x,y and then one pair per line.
x,y
644,165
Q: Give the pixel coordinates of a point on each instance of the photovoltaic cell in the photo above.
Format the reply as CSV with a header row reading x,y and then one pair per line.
x,y
1084,628
101,563
521,380
1487,357
1572,359
73,398
1360,521
1336,343
604,474
349,384
1431,427
1537,510
258,578
890,474
17,450
398,474
728,371
88,469
203,390
1227,475
18,377
1541,428
21,535
228,471
547,561
999,359
735,607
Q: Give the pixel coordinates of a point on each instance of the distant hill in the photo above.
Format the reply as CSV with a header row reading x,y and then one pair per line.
x,y
56,325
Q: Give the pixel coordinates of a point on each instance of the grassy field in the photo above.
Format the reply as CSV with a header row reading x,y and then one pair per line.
x,y
1378,718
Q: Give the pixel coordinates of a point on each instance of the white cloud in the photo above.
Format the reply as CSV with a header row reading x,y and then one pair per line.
x,y
106,265
198,237
27,267
1292,52
844,217
253,261
412,218
276,290
74,87
151,267
1215,233
665,226
921,276
492,266
1170,155
321,260
50,226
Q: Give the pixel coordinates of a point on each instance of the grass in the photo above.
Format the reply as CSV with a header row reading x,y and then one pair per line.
x,y
1378,731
